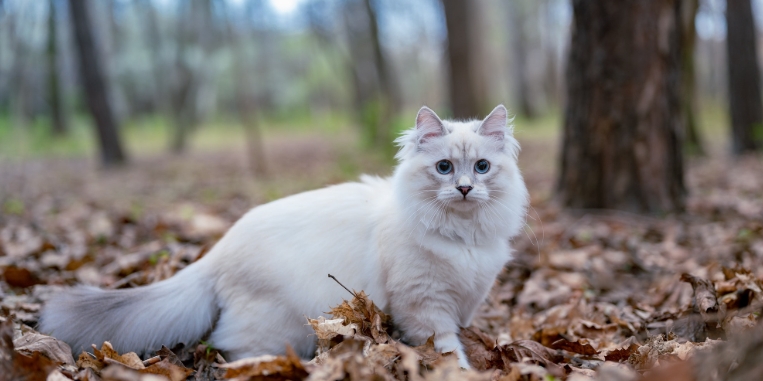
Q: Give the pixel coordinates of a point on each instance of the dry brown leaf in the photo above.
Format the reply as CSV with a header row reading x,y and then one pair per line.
x,y
167,369
480,349
528,351
88,374
85,361
328,329
268,367
118,372
580,346
108,355
18,366
621,354
20,277
428,355
50,347
362,312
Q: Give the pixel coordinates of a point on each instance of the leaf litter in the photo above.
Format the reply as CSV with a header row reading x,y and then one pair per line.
x,y
591,296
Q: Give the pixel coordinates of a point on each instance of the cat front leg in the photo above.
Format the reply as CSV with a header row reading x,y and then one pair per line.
x,y
449,342
420,323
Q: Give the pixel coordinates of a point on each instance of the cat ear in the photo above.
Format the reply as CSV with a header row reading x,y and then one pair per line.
x,y
494,125
428,125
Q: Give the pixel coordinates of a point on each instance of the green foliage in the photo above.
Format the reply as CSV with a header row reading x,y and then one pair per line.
x,y
156,257
14,206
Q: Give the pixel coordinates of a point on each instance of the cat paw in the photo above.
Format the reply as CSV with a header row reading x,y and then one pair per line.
x,y
463,362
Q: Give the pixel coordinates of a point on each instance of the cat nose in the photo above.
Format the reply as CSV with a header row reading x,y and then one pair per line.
x,y
464,189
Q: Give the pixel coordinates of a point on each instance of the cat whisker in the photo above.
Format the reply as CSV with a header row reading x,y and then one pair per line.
x,y
537,245
542,229
413,215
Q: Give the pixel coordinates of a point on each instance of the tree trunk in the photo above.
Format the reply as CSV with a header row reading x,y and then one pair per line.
x,y
688,13
94,85
621,147
195,27
58,120
388,85
520,75
245,89
744,78
366,72
467,96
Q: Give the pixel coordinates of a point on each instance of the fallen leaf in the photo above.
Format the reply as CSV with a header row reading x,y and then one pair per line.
x,y
580,346
167,369
108,355
50,347
269,367
18,366
20,277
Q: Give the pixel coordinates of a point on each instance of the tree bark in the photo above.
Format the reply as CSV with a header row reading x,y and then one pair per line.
x,y
372,81
520,75
58,119
688,13
744,78
94,85
467,96
623,125
387,83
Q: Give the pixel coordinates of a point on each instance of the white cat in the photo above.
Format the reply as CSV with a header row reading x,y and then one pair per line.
x,y
426,245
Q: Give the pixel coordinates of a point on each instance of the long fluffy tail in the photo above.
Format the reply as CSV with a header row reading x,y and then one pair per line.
x,y
179,309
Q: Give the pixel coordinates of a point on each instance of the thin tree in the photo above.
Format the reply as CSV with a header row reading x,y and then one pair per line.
x,y
467,95
95,86
387,82
523,91
689,100
744,78
246,98
58,119
376,98
621,145
196,30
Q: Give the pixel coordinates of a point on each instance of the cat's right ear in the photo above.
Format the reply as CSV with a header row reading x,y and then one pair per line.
x,y
428,125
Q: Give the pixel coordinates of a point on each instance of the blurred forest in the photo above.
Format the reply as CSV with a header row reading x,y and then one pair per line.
x,y
133,133
169,69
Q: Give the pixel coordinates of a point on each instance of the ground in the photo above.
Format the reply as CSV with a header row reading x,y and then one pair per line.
x,y
600,294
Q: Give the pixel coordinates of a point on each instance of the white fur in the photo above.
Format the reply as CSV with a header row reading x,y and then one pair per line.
x,y
419,248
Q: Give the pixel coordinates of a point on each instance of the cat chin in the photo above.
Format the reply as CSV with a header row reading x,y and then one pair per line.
x,y
464,205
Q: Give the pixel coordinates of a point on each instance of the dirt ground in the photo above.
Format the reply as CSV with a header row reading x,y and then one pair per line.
x,y
591,294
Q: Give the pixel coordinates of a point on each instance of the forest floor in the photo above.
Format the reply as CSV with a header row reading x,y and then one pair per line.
x,y
591,294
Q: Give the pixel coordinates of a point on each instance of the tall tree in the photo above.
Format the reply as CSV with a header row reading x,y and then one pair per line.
x,y
621,147
689,99
58,119
246,96
376,99
523,91
94,85
467,90
744,78
197,32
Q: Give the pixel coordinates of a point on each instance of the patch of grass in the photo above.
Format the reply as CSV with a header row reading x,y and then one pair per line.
x,y
14,206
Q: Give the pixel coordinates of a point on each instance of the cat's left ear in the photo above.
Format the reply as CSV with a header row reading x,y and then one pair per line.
x,y
494,125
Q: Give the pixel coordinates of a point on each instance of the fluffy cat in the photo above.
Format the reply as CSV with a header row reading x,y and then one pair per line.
x,y
426,244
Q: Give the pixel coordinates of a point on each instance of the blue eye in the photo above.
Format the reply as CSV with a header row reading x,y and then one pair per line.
x,y
444,167
482,166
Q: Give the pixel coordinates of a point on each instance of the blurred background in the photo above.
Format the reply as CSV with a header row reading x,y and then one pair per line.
x,y
286,86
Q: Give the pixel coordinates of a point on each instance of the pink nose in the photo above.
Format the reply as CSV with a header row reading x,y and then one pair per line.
x,y
464,189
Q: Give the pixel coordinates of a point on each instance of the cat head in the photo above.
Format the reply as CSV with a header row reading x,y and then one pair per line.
x,y
467,168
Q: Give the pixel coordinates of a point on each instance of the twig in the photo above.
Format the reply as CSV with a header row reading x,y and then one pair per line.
x,y
340,283
151,361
